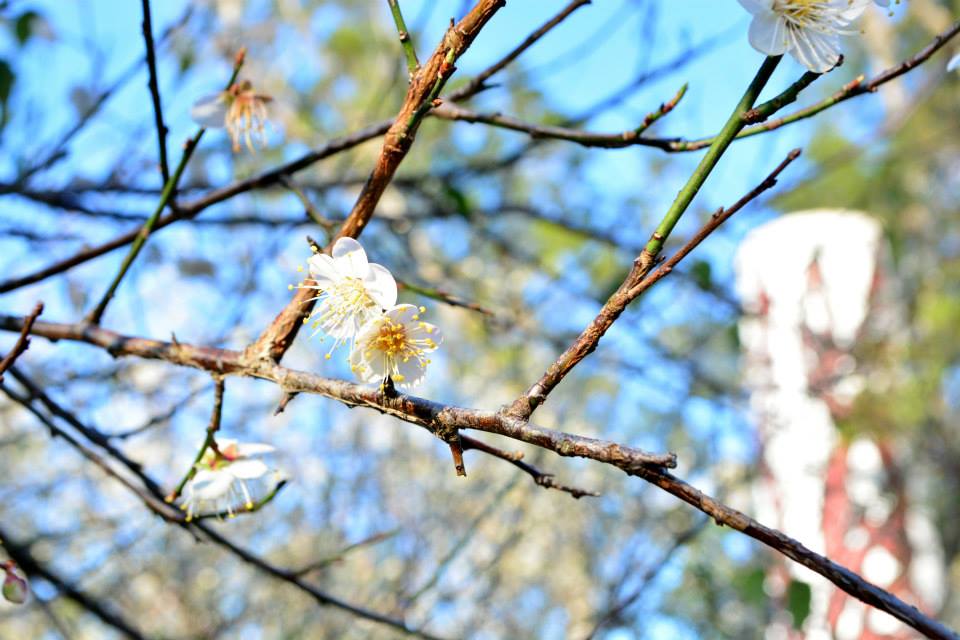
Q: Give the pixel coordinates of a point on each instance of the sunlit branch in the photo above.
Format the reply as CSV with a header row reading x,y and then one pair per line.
x,y
23,340
587,342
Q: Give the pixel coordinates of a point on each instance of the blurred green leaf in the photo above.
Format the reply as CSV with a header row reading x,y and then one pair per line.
x,y
798,602
23,26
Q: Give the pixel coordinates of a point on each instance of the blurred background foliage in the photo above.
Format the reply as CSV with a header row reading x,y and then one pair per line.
x,y
540,232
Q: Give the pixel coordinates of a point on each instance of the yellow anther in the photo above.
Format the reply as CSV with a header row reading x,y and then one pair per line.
x,y
326,357
299,267
423,309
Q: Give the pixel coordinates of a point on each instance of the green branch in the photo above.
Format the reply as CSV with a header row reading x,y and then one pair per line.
x,y
413,65
733,126
169,189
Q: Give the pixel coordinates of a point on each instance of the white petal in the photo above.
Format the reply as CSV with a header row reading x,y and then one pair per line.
x,y
350,258
250,449
337,326
381,286
402,313
209,485
756,7
853,8
412,371
420,332
210,111
818,52
248,469
323,270
954,63
768,34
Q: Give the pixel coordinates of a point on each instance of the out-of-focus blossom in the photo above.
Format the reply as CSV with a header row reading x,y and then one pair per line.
x,y
351,291
240,109
954,63
395,344
220,484
15,586
808,30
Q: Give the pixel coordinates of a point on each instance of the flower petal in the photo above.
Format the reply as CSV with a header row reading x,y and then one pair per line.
x,y
381,286
425,335
250,449
210,111
755,7
818,52
209,485
768,34
323,270
350,258
248,469
954,63
412,370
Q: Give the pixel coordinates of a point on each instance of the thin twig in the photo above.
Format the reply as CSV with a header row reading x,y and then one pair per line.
x,y
632,137
720,216
155,91
23,342
409,51
542,478
649,467
422,92
339,555
445,297
436,417
151,497
209,440
479,82
166,197
272,177
615,305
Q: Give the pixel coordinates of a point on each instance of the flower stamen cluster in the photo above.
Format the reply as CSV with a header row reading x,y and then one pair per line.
x,y
239,109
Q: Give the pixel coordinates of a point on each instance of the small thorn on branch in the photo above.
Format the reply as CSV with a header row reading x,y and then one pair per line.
x,y
284,401
456,448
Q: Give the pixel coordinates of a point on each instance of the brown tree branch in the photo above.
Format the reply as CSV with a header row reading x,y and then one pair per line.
x,y
269,178
152,498
633,137
439,418
425,87
629,290
542,478
23,342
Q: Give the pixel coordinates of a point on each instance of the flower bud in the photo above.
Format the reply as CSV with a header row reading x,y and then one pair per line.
x,y
15,588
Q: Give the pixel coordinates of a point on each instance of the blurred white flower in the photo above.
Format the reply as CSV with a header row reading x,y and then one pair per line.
x,y
806,29
220,483
351,291
395,344
954,63
240,109
15,586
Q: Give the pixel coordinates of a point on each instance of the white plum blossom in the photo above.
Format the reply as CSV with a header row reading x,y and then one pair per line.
x,y
220,483
352,291
240,109
808,30
395,344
